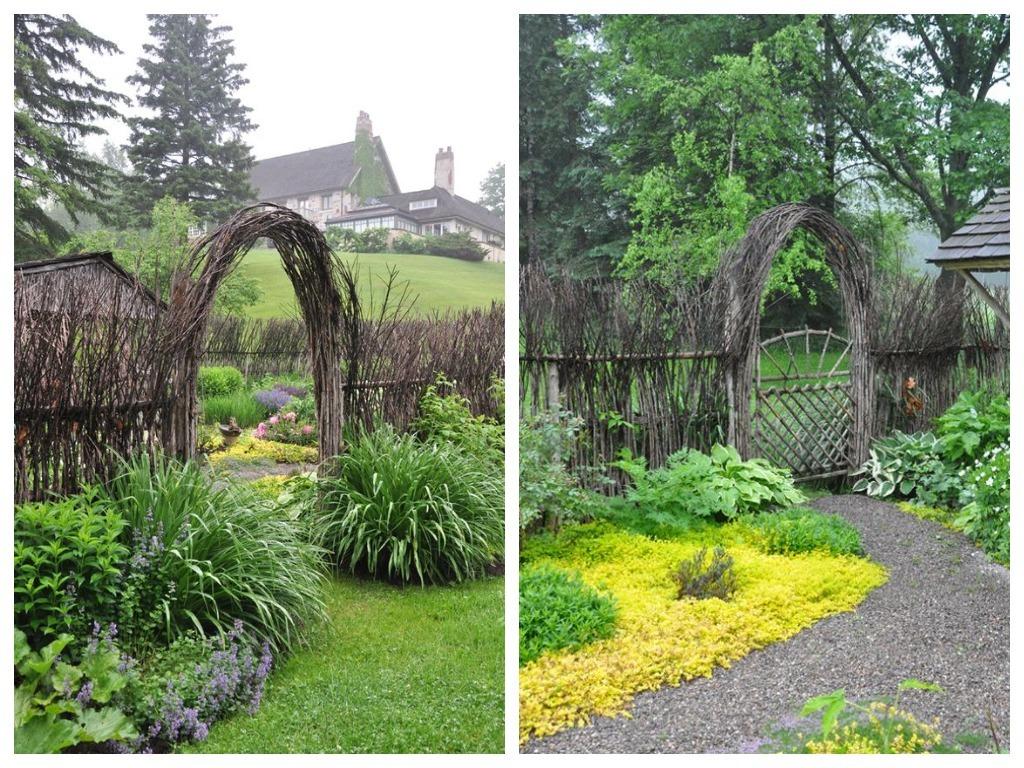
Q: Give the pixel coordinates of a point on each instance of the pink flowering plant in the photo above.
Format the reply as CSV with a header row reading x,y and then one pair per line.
x,y
285,427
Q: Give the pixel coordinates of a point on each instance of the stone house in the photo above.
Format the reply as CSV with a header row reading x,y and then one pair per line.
x,y
320,184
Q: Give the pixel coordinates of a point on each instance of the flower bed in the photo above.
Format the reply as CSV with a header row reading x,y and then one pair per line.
x,y
662,640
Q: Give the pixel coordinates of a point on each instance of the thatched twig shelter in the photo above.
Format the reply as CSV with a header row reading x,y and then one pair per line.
x,y
980,245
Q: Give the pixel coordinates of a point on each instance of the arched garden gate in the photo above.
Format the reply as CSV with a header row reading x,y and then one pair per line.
x,y
318,279
814,410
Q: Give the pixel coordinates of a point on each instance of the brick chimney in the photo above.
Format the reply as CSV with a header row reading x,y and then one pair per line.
x,y
363,124
444,169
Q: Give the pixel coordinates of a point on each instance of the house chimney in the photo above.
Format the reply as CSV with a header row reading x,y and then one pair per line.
x,y
444,169
363,124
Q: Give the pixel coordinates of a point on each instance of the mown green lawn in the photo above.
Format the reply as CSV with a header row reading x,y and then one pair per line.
x,y
395,670
439,283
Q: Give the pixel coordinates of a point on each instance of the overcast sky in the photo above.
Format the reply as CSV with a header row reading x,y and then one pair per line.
x,y
426,80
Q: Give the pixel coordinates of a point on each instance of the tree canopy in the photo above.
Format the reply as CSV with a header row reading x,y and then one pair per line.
x,y
57,101
647,143
190,144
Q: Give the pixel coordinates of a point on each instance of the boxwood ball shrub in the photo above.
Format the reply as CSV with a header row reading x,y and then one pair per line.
x,y
204,556
799,529
68,557
215,381
558,610
399,509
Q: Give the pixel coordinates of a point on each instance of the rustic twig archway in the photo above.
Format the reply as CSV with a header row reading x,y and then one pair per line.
x,y
319,279
745,272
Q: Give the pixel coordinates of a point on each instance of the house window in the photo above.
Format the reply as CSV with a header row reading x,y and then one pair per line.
x,y
439,229
419,205
325,202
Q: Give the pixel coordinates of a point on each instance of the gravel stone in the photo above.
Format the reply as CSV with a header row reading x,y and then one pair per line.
x,y
943,617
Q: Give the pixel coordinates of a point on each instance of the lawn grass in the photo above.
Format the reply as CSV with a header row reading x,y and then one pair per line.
x,y
395,670
440,283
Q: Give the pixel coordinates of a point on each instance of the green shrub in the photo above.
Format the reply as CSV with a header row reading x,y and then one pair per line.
x,y
240,405
699,578
447,419
220,380
205,556
975,423
804,530
454,245
58,705
548,494
909,466
68,557
558,610
985,516
396,508
718,486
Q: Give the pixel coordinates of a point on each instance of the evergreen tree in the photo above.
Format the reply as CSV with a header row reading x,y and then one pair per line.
x,y
492,190
190,146
52,112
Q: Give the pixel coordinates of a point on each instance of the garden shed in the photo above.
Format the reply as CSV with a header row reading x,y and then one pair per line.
x,y
980,245
46,282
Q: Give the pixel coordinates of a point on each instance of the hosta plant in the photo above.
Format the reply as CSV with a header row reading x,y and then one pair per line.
x,y
908,466
976,422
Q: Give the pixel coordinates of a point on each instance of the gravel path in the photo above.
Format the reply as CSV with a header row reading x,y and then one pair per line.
x,y
943,616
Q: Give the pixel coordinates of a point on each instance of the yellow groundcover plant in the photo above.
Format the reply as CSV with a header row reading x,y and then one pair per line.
x,y
249,449
660,640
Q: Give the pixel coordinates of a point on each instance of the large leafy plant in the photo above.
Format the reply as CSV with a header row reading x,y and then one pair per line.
x,y
909,466
68,557
58,705
448,419
719,485
975,423
403,510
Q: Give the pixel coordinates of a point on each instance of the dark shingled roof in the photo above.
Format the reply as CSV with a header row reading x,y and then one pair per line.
x,y
448,206
100,259
312,171
983,243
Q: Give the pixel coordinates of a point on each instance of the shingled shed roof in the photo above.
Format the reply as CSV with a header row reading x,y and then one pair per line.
x,y
83,272
983,243
314,170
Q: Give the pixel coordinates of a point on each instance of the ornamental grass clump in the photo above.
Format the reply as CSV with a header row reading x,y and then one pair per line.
x,y
557,610
206,556
699,578
402,510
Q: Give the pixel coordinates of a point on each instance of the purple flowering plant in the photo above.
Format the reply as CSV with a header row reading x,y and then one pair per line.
x,y
187,687
272,399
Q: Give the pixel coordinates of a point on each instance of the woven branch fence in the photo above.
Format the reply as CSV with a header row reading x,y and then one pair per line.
x,y
653,369
99,373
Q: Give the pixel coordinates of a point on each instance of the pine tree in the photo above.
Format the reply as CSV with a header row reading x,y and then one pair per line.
x,y
52,112
190,145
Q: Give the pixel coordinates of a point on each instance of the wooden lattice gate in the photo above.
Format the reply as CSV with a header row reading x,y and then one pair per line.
x,y
803,408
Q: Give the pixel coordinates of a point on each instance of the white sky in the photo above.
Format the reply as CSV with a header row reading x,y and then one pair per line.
x,y
425,80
